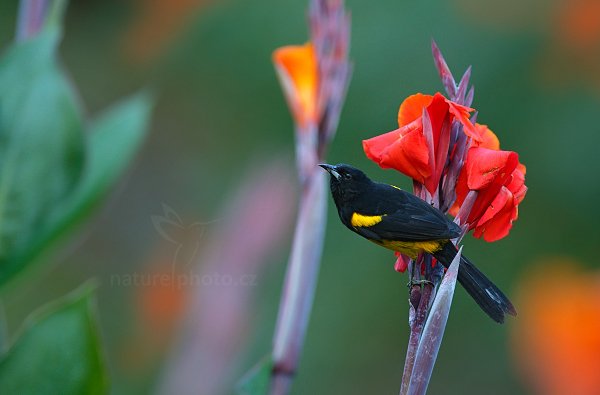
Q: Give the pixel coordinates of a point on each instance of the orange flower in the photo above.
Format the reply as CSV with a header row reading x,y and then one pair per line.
x,y
499,180
556,340
296,66
419,148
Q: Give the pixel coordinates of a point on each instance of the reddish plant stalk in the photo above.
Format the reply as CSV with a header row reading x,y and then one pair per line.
x,y
416,328
330,36
30,18
300,282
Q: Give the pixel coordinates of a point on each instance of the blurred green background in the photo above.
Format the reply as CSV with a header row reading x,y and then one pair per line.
x,y
536,71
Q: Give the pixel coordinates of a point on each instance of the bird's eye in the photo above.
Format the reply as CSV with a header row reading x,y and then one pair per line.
x,y
347,176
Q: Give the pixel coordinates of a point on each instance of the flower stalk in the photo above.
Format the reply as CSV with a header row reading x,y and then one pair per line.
x,y
424,296
314,78
34,14
30,19
300,282
433,332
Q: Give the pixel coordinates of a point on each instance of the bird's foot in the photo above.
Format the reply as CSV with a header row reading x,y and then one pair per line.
x,y
418,282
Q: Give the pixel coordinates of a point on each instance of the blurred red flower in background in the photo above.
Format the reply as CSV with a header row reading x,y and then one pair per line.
x,y
556,340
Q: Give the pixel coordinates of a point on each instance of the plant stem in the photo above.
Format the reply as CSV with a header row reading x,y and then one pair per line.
x,y
300,283
31,18
433,331
416,328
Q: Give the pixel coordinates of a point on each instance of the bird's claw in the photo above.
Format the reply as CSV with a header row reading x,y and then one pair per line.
x,y
418,282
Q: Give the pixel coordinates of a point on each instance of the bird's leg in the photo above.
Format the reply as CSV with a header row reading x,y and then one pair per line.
x,y
437,272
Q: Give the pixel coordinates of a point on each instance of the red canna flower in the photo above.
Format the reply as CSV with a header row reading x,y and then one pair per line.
x,y
456,164
419,147
499,180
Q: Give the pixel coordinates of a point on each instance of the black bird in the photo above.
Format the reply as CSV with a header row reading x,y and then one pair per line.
x,y
400,221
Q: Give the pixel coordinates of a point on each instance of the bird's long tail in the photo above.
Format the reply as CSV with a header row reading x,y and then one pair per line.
x,y
489,297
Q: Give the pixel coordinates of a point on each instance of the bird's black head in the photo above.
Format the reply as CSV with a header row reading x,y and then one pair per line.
x,y
346,181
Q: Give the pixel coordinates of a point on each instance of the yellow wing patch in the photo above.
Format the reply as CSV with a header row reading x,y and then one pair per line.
x,y
361,221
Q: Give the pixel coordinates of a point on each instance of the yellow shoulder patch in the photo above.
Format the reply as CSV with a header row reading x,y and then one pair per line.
x,y
393,186
359,220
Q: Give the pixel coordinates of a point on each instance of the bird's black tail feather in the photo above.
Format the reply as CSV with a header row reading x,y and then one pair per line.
x,y
489,297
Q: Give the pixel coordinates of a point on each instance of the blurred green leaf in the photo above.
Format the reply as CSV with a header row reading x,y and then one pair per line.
x,y
41,142
113,141
258,380
58,351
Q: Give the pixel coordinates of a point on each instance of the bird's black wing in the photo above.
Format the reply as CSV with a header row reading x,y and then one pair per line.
x,y
406,217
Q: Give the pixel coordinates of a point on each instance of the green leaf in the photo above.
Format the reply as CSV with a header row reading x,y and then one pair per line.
x,y
41,142
258,380
58,351
51,172
113,141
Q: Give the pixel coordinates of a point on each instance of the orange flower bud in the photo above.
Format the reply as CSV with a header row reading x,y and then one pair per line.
x,y
296,66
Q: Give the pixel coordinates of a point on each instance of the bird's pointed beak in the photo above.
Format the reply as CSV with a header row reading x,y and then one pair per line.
x,y
331,170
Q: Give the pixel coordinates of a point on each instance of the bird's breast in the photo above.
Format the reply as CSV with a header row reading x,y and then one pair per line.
x,y
411,248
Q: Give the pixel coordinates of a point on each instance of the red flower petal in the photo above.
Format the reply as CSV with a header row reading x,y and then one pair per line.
x,y
403,149
438,112
485,171
488,139
485,166
440,127
401,263
516,184
497,221
461,114
412,108
516,181
501,199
